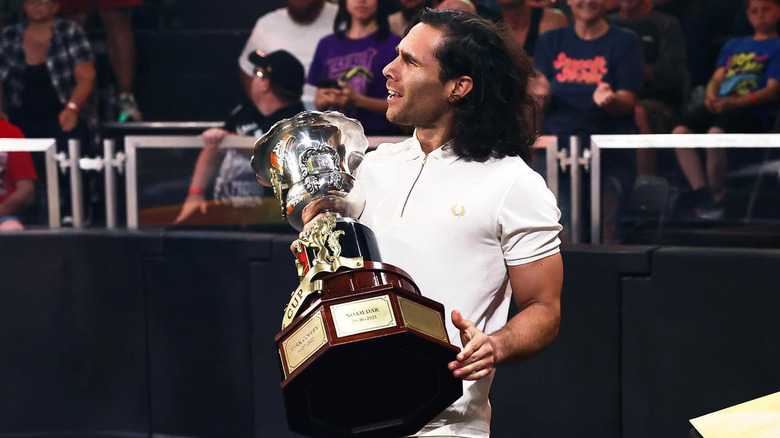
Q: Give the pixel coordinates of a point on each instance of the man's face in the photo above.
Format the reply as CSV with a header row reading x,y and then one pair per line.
x,y
763,15
587,10
416,96
304,11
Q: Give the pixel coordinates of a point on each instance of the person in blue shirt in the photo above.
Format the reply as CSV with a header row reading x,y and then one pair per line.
x,y
740,98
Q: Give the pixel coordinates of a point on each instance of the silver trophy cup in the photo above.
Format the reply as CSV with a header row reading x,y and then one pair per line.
x,y
309,160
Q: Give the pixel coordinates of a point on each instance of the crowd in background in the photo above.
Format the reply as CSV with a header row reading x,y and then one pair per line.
x,y
602,67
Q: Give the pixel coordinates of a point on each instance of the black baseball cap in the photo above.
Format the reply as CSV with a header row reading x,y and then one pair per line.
x,y
281,68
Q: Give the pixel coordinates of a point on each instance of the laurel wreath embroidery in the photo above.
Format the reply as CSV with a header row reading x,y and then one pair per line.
x,y
456,212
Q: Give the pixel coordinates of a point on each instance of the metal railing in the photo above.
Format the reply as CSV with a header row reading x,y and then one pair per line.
x,y
598,143
48,147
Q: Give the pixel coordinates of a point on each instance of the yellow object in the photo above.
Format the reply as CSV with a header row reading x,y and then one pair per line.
x,y
759,418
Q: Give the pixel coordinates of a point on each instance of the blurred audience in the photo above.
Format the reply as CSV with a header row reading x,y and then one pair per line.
x,y
48,72
524,22
665,74
410,9
17,181
596,73
741,97
347,65
295,28
277,86
115,15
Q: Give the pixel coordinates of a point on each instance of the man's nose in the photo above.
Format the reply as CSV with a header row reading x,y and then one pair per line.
x,y
387,70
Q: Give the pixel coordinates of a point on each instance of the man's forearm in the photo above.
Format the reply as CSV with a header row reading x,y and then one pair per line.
x,y
527,333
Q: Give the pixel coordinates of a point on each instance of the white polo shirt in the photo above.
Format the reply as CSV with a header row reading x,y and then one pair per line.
x,y
277,31
454,226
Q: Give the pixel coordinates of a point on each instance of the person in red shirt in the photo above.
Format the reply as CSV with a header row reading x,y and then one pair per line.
x,y
17,181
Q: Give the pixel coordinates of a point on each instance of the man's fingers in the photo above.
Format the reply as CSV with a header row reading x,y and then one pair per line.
x,y
460,322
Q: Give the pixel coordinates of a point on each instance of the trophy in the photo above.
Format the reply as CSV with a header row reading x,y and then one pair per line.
x,y
362,352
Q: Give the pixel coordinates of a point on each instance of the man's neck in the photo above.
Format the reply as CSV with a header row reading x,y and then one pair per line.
x,y
587,30
638,12
433,138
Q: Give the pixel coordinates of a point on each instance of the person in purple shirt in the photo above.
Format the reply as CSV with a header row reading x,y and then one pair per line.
x,y
347,65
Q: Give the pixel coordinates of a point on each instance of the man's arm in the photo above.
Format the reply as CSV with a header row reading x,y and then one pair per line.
x,y
23,196
536,288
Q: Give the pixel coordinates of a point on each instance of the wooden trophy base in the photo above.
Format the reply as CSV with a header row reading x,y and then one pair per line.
x,y
368,357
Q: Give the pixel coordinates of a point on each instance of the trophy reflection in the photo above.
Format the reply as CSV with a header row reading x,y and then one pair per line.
x,y
363,353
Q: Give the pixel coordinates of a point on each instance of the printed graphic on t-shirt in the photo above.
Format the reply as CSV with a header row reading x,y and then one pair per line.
x,y
3,166
341,65
743,71
580,71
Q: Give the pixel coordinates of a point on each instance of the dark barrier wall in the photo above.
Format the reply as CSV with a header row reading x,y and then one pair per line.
x,y
701,334
572,389
171,334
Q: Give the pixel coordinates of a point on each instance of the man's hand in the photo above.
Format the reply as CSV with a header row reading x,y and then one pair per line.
x,y
603,95
213,137
478,356
193,203
68,119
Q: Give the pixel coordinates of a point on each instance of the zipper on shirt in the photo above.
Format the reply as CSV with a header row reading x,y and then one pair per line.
x,y
413,184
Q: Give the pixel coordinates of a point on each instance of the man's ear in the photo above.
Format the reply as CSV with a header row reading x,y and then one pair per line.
x,y
460,88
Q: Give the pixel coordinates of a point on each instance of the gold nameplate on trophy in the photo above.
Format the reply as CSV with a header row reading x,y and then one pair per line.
x,y
362,316
304,342
422,319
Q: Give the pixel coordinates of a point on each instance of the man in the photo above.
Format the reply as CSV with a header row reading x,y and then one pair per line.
x,y
665,72
276,89
457,207
295,28
17,181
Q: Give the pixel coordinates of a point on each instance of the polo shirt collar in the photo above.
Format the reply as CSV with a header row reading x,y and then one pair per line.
x,y
445,153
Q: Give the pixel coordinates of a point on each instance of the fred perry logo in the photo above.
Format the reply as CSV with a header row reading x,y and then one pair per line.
x,y
458,210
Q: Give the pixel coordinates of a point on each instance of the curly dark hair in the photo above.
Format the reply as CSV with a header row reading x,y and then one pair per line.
x,y
495,118
343,22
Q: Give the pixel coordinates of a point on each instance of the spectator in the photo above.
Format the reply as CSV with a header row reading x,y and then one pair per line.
x,y
293,28
48,72
740,97
115,15
524,23
17,181
347,65
595,72
410,10
663,48
276,94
